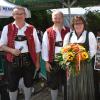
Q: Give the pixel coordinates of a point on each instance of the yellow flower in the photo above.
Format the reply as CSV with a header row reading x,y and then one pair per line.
x,y
70,56
84,55
81,48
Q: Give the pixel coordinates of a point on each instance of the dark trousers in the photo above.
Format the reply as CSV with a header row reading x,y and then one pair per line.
x,y
56,78
96,84
3,90
22,66
96,81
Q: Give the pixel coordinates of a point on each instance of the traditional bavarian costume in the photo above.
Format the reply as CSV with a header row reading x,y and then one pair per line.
x,y
23,65
52,44
81,87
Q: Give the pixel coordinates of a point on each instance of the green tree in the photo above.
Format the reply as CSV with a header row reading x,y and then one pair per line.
x,y
40,19
85,3
93,21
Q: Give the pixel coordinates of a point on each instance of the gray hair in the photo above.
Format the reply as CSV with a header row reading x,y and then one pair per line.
x,y
57,12
19,8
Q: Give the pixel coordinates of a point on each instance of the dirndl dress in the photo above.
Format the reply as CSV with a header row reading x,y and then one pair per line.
x,y
81,87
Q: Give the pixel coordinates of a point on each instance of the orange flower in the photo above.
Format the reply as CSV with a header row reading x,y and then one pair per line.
x,y
75,48
70,56
65,49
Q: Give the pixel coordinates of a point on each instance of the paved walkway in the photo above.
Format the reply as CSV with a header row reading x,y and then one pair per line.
x,y
43,95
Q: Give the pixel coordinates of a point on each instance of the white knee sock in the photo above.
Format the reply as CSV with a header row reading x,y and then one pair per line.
x,y
27,93
13,95
63,89
54,94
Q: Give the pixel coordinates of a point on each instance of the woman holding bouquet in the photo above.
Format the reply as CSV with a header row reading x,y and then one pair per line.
x,y
80,86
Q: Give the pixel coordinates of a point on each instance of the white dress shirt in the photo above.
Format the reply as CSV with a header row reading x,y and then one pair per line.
x,y
81,39
18,44
45,45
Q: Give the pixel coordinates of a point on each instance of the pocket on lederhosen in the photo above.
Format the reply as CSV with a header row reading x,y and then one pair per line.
x,y
26,59
16,62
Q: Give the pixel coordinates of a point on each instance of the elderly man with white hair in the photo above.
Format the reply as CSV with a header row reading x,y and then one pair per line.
x,y
51,45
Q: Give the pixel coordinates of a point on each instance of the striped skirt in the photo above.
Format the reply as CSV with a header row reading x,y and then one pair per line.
x,y
81,87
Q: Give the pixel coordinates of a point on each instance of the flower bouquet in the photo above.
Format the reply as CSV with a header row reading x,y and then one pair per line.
x,y
70,57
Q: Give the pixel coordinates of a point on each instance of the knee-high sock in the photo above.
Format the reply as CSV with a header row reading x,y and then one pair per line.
x,y
62,89
27,93
54,94
13,95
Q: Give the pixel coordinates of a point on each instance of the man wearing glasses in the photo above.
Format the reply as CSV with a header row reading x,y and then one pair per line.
x,y
20,42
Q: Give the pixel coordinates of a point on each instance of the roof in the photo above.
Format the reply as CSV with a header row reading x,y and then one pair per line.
x,y
93,8
74,11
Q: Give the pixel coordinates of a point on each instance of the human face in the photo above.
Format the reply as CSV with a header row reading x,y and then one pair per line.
x,y
57,18
19,15
79,27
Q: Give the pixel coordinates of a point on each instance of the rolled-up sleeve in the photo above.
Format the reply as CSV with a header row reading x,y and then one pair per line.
x,y
36,40
92,44
3,39
45,48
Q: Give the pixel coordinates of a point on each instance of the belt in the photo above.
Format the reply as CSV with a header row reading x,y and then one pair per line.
x,y
22,57
20,38
59,43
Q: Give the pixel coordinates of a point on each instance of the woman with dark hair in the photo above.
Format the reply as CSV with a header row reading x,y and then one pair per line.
x,y
81,86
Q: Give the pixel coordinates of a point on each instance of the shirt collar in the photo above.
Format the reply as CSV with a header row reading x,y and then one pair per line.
x,y
26,24
57,30
82,32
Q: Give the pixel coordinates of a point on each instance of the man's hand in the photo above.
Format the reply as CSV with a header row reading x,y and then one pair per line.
x,y
15,52
37,66
48,67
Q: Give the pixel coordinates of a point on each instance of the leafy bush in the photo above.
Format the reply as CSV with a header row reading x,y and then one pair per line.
x,y
93,21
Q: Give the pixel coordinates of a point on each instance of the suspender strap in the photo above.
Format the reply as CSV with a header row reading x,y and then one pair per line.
x,y
70,36
87,41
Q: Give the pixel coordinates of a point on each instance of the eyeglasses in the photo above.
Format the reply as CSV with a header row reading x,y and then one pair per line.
x,y
78,23
19,13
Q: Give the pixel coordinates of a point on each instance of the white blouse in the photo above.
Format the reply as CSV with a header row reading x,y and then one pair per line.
x,y
18,44
81,39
